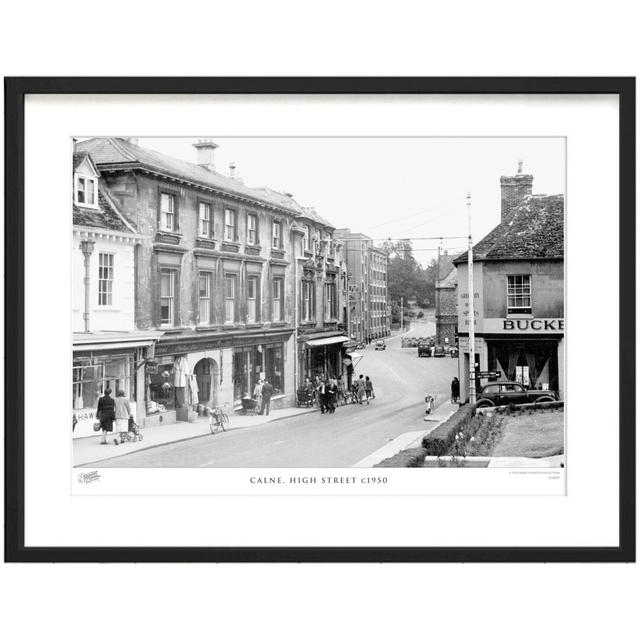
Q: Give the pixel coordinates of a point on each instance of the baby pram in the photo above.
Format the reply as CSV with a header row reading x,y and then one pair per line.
x,y
133,435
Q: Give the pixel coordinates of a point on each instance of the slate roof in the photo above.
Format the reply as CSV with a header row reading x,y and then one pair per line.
x,y
534,230
104,217
118,151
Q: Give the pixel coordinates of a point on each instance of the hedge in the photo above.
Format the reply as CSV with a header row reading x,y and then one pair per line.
x,y
438,442
407,458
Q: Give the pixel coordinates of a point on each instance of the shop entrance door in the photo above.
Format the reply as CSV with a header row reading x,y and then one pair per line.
x,y
207,375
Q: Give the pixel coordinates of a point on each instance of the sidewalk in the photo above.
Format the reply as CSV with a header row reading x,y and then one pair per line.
x,y
411,439
90,451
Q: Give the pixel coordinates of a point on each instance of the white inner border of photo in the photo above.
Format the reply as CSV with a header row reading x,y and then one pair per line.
x,y
586,516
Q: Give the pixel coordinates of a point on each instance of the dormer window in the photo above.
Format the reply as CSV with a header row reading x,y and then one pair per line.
x,y
86,191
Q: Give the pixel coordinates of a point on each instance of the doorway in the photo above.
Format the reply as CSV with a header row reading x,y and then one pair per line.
x,y
207,375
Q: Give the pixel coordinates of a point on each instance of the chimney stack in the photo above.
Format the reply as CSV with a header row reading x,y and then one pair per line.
x,y
514,190
205,148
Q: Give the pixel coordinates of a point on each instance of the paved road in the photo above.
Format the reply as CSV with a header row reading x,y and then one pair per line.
x,y
400,380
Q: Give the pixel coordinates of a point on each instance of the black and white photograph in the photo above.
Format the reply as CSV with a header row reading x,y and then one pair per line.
x,y
318,302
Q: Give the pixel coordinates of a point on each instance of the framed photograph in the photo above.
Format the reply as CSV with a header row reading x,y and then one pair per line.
x,y
320,319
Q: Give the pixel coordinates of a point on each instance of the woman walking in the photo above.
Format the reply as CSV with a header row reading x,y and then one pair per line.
x,y
122,413
106,414
368,385
455,390
257,395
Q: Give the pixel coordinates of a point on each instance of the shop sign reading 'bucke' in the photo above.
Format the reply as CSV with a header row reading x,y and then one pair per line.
x,y
525,324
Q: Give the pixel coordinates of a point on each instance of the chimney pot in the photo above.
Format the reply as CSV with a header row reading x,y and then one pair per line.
x,y
232,169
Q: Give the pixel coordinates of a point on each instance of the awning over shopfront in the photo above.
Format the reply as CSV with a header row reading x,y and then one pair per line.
x,y
101,340
323,342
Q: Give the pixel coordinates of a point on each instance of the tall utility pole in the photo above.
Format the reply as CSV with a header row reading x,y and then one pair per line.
x,y
472,315
401,314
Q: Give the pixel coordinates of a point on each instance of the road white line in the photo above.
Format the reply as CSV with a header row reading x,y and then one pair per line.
x,y
280,442
384,364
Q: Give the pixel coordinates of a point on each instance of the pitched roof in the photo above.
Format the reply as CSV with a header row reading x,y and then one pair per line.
x,y
534,230
104,217
118,151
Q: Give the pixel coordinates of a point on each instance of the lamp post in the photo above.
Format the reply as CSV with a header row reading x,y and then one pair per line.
x,y
87,246
472,317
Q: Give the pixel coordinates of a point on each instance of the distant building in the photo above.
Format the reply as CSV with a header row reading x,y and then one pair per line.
x,y
368,310
446,300
518,277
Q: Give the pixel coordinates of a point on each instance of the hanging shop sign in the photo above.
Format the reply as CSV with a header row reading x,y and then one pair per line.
x,y
151,367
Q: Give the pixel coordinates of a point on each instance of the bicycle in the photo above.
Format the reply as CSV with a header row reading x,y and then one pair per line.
x,y
217,419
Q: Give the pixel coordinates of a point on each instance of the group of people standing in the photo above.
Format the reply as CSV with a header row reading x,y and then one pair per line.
x,y
262,393
331,392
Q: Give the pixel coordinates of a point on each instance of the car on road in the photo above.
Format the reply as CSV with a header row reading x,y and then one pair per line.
x,y
424,350
439,351
504,393
360,345
453,352
380,345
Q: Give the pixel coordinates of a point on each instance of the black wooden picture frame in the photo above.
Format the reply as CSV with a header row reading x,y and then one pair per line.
x,y
15,91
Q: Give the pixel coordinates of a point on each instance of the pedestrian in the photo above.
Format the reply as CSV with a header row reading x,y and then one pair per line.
x,y
362,390
332,394
368,385
267,392
123,413
341,395
428,400
257,396
322,396
455,390
106,414
311,392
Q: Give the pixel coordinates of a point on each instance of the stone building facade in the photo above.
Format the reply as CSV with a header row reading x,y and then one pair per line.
x,y
216,273
107,347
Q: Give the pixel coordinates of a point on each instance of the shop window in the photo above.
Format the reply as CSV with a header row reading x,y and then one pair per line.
x,y
204,226
274,367
204,295
230,225
230,297
105,279
167,212
93,374
252,229
519,294
162,394
167,293
253,310
276,300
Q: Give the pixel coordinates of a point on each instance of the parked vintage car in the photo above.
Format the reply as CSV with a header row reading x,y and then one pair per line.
x,y
504,393
424,350
439,351
453,352
380,345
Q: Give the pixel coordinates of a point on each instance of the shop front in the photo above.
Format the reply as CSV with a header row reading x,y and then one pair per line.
x,y
321,355
192,373
116,364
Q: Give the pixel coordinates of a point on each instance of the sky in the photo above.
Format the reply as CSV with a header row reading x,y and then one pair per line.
x,y
390,187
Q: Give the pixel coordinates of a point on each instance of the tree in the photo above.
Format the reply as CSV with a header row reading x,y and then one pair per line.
x,y
406,278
